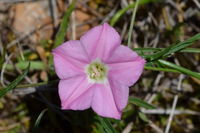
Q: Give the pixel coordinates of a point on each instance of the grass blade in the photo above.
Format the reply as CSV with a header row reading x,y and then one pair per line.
x,y
140,103
132,23
182,45
2,57
117,16
37,122
106,125
180,69
60,36
143,117
34,65
173,48
14,83
161,69
185,50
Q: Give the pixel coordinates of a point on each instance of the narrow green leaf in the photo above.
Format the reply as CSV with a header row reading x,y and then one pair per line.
x,y
190,50
161,69
37,122
100,128
140,103
143,117
147,49
117,16
2,58
60,36
182,45
34,65
14,83
180,69
132,23
106,125
173,48
185,50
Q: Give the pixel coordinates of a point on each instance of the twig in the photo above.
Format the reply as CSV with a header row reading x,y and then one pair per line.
x,y
155,87
197,3
53,10
124,29
155,127
26,35
132,23
73,24
124,3
16,1
3,69
10,126
168,111
109,15
128,128
173,105
93,11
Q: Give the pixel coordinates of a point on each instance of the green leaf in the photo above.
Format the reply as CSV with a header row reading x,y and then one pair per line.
x,y
60,36
182,45
37,122
34,65
117,16
14,83
173,48
185,50
106,125
190,50
2,58
161,69
180,69
143,117
100,129
140,103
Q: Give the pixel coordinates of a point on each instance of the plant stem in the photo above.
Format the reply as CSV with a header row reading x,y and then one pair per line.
x,y
132,23
35,84
161,69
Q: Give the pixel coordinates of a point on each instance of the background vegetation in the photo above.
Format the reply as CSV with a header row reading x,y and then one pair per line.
x,y
165,33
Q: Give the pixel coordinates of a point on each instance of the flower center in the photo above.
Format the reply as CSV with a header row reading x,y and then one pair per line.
x,y
96,72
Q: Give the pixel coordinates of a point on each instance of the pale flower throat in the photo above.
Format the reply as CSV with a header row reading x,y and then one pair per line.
x,y
96,72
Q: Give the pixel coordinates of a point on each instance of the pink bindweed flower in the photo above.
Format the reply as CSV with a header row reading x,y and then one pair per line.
x,y
96,72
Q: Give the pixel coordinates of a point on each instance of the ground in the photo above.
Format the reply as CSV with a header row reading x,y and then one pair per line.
x,y
28,30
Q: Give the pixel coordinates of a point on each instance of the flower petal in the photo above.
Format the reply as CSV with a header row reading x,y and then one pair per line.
x,y
122,54
70,59
103,102
126,73
120,93
100,41
75,93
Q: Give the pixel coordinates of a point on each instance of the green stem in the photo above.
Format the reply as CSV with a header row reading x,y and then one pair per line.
x,y
180,69
117,16
132,23
185,50
161,69
34,84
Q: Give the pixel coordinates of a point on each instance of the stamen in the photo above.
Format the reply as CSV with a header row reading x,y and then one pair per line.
x,y
96,72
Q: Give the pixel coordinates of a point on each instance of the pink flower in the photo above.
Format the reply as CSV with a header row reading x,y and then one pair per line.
x,y
96,72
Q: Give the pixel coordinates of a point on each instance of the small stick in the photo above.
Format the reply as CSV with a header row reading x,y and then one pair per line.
x,y
174,105
53,10
73,24
26,35
155,127
3,69
168,111
197,3
15,1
